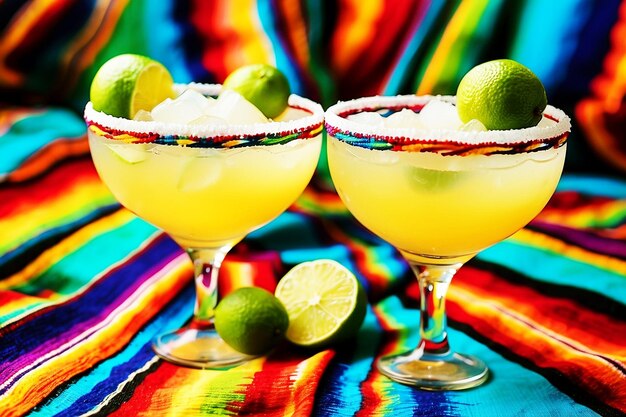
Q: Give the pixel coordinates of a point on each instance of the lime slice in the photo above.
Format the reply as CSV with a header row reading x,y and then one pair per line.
x,y
128,83
325,303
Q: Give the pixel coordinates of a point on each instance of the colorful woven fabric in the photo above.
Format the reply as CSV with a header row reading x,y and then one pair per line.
x,y
85,285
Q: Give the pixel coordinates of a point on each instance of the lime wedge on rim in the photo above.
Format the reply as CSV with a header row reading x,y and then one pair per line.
x,y
128,83
325,303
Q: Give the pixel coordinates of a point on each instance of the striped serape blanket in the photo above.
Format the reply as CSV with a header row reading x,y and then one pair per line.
x,y
85,285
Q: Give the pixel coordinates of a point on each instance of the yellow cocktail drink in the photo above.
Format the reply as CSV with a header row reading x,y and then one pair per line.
x,y
449,206
207,183
439,192
205,197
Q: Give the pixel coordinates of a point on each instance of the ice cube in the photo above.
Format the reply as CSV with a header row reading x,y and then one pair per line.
x,y
234,108
473,125
143,116
405,118
188,106
199,173
203,102
132,153
438,114
367,118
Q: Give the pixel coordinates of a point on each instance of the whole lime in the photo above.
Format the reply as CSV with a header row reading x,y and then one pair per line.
x,y
128,83
502,94
251,320
263,85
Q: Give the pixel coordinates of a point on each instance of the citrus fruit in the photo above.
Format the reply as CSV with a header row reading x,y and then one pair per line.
x,y
262,85
325,303
251,320
502,94
128,83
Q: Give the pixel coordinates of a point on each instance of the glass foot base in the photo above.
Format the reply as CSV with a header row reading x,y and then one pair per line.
x,y
452,371
197,348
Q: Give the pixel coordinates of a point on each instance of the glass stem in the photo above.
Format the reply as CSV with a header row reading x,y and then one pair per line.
x,y
434,281
206,265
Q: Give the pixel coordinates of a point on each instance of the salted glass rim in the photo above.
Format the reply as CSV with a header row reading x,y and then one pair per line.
x,y
336,121
149,131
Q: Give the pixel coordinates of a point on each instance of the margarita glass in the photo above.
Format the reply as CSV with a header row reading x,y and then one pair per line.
x,y
440,196
207,186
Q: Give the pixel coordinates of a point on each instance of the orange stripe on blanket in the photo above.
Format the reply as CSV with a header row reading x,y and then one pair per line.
x,y
363,43
526,338
113,333
465,19
376,385
95,34
584,329
48,156
153,392
9,116
308,375
593,120
246,270
18,198
285,386
368,264
354,32
231,35
295,30
63,248
536,239
208,392
29,215
272,386
602,116
172,390
568,208
26,26
313,201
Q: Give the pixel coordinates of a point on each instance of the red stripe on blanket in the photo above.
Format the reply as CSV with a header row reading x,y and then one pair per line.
x,y
286,385
552,333
16,197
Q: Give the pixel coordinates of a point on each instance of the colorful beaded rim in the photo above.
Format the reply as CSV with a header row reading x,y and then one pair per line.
x,y
441,141
210,136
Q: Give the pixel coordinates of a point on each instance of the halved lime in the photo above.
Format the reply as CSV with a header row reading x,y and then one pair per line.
x,y
128,83
325,303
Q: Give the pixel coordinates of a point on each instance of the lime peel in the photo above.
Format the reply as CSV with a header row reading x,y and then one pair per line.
x,y
502,94
262,85
251,320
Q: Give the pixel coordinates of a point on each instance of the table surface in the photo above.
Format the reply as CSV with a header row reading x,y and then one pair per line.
x,y
85,285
